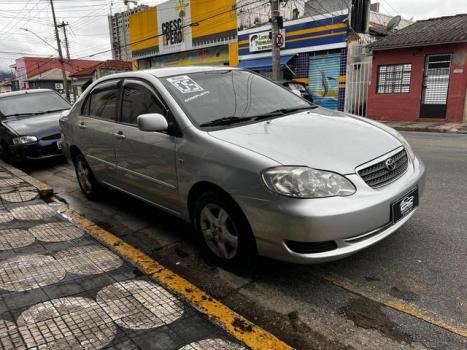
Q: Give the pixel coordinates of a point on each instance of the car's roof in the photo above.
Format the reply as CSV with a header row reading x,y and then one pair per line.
x,y
24,92
166,72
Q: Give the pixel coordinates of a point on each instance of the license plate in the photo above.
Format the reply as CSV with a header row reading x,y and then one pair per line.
x,y
404,206
59,144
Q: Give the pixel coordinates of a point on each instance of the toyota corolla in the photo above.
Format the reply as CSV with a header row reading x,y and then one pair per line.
x,y
255,168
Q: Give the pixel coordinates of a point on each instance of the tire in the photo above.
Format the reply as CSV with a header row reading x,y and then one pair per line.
x,y
86,180
224,231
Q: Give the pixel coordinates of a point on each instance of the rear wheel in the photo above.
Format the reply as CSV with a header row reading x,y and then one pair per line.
x,y
224,231
87,182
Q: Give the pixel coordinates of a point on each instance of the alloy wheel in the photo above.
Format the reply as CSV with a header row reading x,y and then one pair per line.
x,y
218,231
84,176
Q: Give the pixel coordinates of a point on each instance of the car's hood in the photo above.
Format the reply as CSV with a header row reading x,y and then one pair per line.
x,y
320,139
38,125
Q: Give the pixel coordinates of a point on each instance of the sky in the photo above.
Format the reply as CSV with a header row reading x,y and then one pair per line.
x,y
89,33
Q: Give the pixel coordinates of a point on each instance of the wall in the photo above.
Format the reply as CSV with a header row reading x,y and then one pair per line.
x,y
406,107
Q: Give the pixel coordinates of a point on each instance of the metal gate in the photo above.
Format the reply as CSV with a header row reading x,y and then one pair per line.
x,y
324,75
357,87
435,86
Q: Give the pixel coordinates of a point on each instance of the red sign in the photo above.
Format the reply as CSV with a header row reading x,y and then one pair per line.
x,y
279,40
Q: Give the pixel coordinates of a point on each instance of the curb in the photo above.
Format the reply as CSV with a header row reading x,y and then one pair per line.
x,y
44,190
428,129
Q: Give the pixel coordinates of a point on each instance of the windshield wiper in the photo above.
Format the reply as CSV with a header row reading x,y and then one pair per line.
x,y
226,121
282,111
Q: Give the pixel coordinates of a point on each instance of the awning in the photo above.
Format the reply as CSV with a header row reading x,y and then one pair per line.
x,y
263,63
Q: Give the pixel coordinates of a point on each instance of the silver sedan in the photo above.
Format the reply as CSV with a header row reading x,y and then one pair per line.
x,y
255,168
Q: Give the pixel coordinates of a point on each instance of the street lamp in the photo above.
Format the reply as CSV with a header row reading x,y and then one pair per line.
x,y
40,38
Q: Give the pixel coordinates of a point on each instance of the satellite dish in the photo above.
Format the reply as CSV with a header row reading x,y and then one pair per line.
x,y
393,23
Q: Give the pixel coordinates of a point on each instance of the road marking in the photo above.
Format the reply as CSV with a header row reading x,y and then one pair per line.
x,y
396,304
250,334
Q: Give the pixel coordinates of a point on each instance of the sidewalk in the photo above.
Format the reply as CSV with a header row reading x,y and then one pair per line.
x,y
452,128
62,289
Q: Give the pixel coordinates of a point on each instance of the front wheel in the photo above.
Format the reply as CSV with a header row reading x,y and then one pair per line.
x,y
224,231
87,182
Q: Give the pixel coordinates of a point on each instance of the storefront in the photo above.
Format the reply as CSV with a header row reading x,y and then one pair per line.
x,y
314,51
184,32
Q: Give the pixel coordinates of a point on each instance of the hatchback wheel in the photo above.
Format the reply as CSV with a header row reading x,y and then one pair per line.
x,y
224,230
86,179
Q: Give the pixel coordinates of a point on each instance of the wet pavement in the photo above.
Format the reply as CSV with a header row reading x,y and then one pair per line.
x,y
61,289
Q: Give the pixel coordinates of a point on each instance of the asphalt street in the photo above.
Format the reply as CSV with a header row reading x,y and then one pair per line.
x,y
409,291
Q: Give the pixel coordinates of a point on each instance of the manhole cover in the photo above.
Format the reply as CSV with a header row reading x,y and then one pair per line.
x,y
88,260
10,337
19,196
7,182
56,232
33,212
139,304
27,272
66,323
213,344
14,238
5,217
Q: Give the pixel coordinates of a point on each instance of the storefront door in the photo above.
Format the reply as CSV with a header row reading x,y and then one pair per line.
x,y
435,86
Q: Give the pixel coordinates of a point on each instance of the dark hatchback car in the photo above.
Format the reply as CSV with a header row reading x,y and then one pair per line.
x,y
29,128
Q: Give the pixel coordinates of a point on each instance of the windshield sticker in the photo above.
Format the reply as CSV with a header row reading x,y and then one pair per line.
x,y
185,84
197,96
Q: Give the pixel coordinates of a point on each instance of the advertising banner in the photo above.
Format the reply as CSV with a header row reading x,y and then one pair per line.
x,y
263,41
173,20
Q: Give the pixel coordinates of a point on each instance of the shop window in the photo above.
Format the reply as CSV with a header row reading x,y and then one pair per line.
x,y
394,79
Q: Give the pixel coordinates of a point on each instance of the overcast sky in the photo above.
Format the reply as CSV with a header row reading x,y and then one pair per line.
x,y
88,31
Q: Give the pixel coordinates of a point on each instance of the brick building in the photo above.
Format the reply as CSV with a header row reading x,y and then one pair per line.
x,y
420,72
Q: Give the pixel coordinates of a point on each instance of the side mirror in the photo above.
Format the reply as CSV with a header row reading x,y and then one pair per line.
x,y
153,122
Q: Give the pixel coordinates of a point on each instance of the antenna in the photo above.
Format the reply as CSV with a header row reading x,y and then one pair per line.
x,y
393,23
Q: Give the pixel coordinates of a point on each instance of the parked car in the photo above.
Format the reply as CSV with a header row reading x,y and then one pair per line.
x,y
29,128
298,88
254,168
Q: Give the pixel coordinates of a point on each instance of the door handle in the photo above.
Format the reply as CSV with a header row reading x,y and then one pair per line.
x,y
82,125
119,135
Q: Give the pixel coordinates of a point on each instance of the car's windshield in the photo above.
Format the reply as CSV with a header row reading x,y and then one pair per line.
x,y
230,96
32,103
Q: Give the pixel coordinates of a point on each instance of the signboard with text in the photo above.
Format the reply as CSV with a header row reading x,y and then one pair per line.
x,y
173,19
263,41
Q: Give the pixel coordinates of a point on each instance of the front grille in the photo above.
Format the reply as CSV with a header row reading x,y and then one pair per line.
x,y
378,175
311,248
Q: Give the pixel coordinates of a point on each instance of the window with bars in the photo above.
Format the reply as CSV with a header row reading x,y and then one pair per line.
x,y
394,79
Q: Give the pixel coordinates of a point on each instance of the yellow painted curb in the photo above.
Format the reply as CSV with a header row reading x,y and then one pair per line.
x,y
397,304
239,327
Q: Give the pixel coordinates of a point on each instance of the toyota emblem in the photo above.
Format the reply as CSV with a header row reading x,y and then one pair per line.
x,y
390,164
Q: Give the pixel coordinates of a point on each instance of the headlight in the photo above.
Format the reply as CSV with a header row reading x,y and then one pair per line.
x,y
24,140
304,182
406,145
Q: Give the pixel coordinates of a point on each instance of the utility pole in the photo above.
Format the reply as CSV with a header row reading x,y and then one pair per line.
x,y
276,50
64,25
67,47
60,54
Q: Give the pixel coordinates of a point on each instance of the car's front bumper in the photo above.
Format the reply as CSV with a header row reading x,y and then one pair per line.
x,y
43,149
345,224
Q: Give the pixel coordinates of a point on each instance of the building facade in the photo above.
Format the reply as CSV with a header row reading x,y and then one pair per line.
x,y
314,51
184,32
119,28
420,73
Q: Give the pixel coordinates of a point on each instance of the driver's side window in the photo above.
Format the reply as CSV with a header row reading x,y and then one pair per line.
x,y
138,100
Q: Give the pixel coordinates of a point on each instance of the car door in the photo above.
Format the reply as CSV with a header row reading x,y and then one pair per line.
x,y
96,128
145,160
